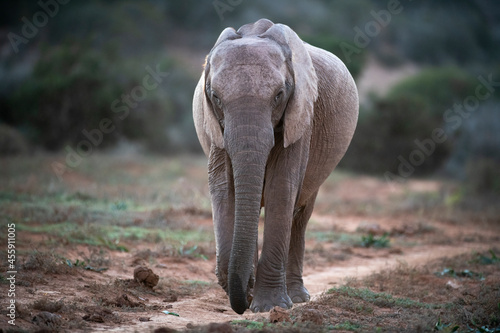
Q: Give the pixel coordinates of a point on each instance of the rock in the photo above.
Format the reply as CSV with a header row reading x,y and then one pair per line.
x,y
452,285
278,314
146,276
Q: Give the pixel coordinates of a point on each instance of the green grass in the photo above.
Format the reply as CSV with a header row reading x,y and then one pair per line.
x,y
110,236
347,326
380,299
371,240
250,324
334,237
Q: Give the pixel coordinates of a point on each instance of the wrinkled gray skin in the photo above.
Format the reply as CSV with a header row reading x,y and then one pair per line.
x,y
274,115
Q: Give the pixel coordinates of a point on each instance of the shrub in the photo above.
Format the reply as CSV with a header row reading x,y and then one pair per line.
x,y
70,90
12,142
410,111
482,176
332,44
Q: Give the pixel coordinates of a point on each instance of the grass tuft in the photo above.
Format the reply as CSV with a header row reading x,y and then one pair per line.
x,y
379,299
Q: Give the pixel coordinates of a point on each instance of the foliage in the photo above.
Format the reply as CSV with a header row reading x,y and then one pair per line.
x,y
442,327
371,240
483,176
380,299
91,53
354,63
12,142
347,326
411,111
70,89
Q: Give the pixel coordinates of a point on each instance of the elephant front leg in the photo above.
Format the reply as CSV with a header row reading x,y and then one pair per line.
x,y
295,284
283,180
270,283
222,198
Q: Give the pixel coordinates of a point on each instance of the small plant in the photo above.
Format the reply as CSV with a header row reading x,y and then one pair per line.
x,y
47,305
486,260
82,264
119,205
347,326
77,263
442,327
372,241
249,324
46,262
192,251
380,299
460,274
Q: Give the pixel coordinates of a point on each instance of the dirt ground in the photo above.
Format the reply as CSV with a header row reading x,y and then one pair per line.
x,y
418,256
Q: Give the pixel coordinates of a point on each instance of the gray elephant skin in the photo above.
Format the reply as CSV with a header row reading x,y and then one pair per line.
x,y
274,115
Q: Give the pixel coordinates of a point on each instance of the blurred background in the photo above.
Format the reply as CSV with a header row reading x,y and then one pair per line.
x,y
428,74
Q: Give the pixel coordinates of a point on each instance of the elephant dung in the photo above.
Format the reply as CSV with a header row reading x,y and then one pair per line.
x,y
278,314
146,276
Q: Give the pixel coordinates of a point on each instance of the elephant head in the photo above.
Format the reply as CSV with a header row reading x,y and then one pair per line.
x,y
259,84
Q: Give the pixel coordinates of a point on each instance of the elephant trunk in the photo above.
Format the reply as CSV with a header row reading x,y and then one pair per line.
x,y
249,143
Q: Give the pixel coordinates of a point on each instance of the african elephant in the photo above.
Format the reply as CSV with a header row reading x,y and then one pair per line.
x,y
274,115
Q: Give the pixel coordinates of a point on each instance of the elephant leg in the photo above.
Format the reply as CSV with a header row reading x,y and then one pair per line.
x,y
270,283
295,285
220,180
280,193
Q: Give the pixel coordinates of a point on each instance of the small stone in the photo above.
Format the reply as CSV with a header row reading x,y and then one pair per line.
x,y
452,285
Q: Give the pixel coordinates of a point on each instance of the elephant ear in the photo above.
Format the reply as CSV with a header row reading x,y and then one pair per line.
x,y
210,122
300,109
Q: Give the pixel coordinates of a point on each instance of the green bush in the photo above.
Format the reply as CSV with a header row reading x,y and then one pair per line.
x,y
354,63
482,176
74,87
70,89
410,111
12,142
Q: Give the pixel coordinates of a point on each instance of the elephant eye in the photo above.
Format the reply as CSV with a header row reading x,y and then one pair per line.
x,y
216,99
277,98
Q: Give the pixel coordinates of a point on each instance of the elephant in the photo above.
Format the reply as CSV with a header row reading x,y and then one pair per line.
x,y
274,115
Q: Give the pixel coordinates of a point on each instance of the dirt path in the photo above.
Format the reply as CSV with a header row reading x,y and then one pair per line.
x,y
80,224
213,305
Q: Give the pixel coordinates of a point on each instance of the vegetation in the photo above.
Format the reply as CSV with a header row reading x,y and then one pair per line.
x,y
404,121
95,52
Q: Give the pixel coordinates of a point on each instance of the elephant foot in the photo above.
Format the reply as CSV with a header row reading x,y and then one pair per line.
x,y
298,293
266,299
